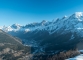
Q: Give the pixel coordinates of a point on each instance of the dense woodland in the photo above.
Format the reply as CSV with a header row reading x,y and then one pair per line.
x,y
59,56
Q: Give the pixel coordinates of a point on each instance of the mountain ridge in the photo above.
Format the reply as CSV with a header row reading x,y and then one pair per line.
x,y
75,20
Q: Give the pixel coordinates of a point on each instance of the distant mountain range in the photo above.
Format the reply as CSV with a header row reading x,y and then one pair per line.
x,y
50,36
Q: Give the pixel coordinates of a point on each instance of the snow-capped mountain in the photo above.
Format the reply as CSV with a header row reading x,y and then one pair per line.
x,y
61,31
72,23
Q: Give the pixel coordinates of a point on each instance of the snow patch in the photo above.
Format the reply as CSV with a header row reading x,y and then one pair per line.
x,y
79,57
72,37
81,51
78,14
79,28
27,30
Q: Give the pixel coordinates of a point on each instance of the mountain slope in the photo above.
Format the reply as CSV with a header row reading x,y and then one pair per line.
x,y
6,38
11,48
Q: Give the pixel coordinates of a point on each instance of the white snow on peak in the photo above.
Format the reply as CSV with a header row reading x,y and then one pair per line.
x,y
1,27
43,22
78,14
6,29
65,16
27,30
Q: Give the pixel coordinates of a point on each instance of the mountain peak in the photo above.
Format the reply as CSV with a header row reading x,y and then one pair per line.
x,y
78,14
64,17
16,26
43,22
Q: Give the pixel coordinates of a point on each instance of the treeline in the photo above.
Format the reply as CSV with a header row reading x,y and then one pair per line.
x,y
60,56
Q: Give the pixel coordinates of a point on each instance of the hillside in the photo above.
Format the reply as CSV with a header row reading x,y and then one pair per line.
x,y
11,48
6,38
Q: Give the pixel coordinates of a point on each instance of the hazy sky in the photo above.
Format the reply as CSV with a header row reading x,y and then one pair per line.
x,y
27,11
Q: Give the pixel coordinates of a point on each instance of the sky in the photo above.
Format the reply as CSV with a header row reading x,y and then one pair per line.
x,y
29,11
